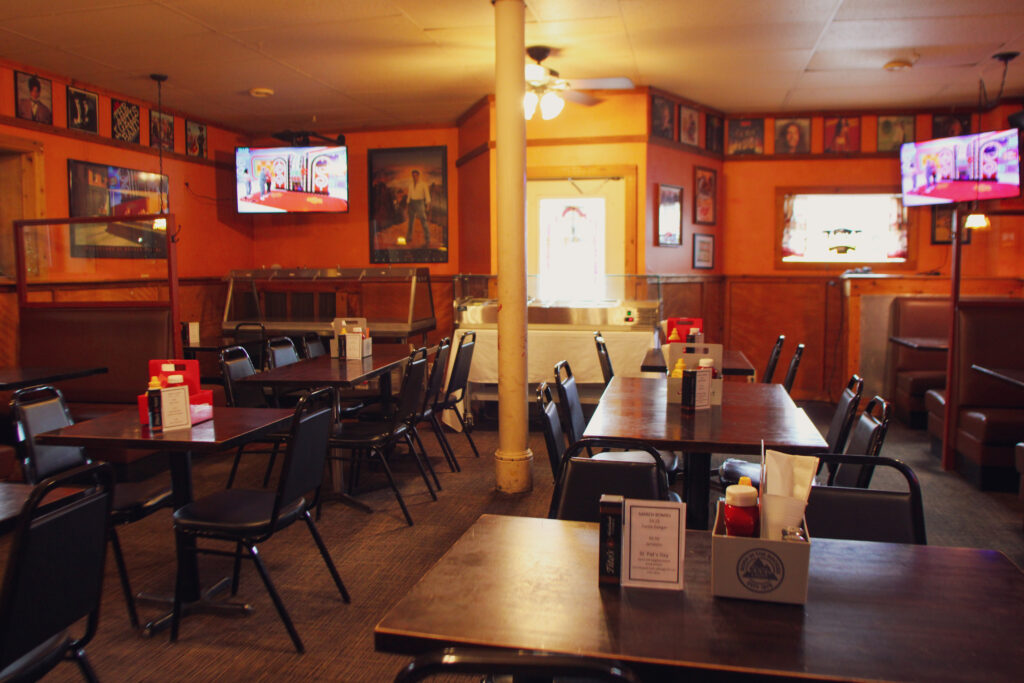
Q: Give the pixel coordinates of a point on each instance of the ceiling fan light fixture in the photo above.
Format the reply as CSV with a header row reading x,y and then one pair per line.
x,y
260,92
535,73
530,101
898,65
551,105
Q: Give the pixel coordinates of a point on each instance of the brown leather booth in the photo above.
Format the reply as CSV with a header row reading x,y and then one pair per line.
x,y
991,412
912,372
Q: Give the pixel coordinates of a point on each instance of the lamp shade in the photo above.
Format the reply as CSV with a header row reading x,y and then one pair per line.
x,y
551,105
530,101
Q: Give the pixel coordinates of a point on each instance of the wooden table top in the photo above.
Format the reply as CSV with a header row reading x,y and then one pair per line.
x,y
19,378
875,611
637,408
229,427
1014,376
922,343
337,372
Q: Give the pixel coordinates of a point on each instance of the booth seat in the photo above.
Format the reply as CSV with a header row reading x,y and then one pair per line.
x,y
912,372
122,339
991,412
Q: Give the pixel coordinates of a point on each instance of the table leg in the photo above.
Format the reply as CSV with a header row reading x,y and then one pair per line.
x,y
697,489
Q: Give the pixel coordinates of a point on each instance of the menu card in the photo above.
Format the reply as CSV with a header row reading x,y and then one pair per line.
x,y
174,408
654,544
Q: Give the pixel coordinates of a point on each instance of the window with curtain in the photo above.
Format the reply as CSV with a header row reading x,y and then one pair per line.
x,y
843,228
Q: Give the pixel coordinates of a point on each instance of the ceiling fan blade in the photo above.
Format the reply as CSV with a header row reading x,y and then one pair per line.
x,y
619,83
581,98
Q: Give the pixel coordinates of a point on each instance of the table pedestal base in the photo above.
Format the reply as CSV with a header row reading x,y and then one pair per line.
x,y
204,605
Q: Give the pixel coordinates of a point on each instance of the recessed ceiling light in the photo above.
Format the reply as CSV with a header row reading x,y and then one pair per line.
x,y
898,65
261,92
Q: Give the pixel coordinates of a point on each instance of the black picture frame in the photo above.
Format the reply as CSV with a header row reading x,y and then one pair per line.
x,y
705,195
83,112
663,118
38,108
161,130
396,228
703,251
125,121
942,225
893,131
786,142
951,125
746,137
669,230
714,133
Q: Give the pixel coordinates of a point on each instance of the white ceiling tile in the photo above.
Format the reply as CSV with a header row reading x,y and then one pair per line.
x,y
233,15
887,9
448,14
910,33
103,25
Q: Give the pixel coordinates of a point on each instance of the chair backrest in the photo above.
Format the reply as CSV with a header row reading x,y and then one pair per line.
x,y
460,369
554,438
581,481
842,419
867,514
773,360
787,383
414,386
569,406
281,351
303,467
865,439
603,357
253,338
54,574
513,664
235,366
435,382
36,410
313,345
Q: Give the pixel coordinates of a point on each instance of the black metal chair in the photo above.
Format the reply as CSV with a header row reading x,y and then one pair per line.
x,y
376,439
313,345
457,381
773,360
279,352
247,517
866,514
866,438
787,383
635,473
435,382
252,337
554,438
54,575
603,357
42,409
519,664
235,366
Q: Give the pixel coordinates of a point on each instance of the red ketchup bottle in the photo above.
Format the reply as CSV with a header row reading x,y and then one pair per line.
x,y
741,511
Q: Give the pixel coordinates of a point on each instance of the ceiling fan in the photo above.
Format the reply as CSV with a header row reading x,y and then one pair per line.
x,y
546,87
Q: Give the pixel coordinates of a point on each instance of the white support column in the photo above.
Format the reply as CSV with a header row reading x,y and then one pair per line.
x,y
513,460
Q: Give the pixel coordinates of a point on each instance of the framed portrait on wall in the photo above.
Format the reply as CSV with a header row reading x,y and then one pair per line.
x,y
893,131
703,251
942,226
746,136
950,125
195,139
161,131
714,140
125,121
793,136
34,97
842,134
705,191
689,125
663,118
669,231
408,204
82,106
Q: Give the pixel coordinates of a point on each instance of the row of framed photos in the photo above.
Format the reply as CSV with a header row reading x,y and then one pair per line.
x,y
669,229
33,96
792,135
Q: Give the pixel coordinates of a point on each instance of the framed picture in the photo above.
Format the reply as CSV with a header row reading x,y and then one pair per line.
x,y
746,136
705,189
689,125
408,205
82,106
793,136
893,131
713,134
669,231
842,134
950,125
942,226
34,97
195,139
161,131
663,118
703,251
101,190
125,121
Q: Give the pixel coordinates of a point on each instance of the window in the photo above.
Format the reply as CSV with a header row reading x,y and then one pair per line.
x,y
842,228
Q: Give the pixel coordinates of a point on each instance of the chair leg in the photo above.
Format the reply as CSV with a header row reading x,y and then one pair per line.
x,y
327,557
122,572
442,440
234,466
270,465
176,608
281,611
419,464
465,430
423,454
394,487
237,570
88,673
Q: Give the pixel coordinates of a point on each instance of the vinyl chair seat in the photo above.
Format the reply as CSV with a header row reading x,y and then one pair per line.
x,y
733,468
237,511
669,458
365,433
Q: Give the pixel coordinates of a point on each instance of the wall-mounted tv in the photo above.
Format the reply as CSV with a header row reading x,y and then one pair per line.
x,y
960,169
291,179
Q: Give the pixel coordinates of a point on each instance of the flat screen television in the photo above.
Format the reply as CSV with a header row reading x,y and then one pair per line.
x,y
291,179
959,169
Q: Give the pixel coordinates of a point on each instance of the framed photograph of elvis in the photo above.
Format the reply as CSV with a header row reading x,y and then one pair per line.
x,y
408,204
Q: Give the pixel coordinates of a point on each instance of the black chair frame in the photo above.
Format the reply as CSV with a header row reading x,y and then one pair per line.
x,y
312,345
866,438
773,360
457,381
603,358
520,664
794,364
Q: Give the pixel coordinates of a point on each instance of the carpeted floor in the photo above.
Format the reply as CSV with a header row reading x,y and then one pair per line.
x,y
379,558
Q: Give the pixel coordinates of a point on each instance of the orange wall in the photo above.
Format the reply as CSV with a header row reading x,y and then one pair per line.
x,y
475,190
